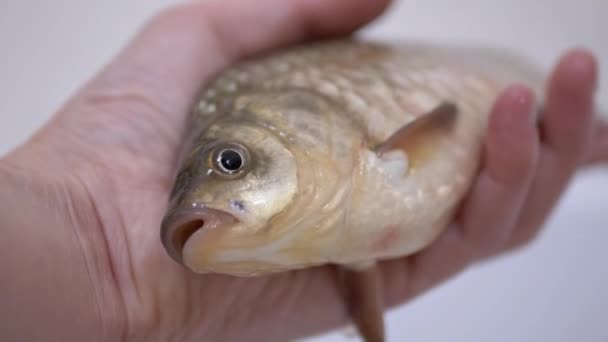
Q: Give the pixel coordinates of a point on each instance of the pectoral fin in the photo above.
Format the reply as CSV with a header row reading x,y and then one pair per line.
x,y
364,298
419,138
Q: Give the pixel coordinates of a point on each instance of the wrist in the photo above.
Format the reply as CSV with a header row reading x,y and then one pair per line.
x,y
55,274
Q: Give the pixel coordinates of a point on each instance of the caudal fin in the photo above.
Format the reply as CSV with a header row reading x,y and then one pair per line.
x,y
504,64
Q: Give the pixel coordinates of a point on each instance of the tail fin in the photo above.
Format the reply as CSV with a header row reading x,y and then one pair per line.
x,y
503,63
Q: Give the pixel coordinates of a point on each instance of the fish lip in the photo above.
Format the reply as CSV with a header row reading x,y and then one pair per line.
x,y
177,218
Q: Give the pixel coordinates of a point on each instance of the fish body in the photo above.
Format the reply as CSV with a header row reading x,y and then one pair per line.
x,y
343,152
310,120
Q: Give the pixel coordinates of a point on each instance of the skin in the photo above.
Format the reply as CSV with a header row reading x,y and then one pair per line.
x,y
83,198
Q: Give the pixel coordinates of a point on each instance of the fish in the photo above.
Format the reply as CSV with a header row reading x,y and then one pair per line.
x,y
342,152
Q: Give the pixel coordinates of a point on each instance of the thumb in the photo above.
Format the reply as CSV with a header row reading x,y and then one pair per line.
x,y
141,100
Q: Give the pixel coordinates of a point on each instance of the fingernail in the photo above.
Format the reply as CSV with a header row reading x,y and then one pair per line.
x,y
523,97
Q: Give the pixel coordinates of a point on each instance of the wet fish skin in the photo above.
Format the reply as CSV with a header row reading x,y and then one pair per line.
x,y
316,191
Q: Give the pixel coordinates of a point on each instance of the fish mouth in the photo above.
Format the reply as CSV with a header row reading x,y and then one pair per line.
x,y
180,228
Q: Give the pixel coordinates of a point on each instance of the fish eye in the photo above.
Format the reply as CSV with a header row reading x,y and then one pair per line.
x,y
229,159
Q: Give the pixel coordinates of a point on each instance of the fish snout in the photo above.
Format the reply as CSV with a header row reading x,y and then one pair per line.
x,y
192,227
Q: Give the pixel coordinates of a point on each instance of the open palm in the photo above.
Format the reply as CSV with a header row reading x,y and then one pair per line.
x,y
110,156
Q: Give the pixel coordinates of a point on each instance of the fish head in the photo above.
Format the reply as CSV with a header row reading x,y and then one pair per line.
x,y
249,184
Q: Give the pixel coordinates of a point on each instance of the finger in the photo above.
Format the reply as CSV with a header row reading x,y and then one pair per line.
x,y
569,108
510,156
597,151
566,127
145,94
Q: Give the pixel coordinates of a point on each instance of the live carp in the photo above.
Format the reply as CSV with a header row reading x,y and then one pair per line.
x,y
342,152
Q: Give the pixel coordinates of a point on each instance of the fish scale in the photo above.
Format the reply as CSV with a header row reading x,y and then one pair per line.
x,y
339,72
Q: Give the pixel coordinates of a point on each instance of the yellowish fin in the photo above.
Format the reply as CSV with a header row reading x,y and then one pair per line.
x,y
364,298
418,138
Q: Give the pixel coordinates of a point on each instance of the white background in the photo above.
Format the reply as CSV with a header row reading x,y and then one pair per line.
x,y
556,290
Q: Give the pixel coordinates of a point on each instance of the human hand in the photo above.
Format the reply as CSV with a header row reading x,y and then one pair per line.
x,y
88,191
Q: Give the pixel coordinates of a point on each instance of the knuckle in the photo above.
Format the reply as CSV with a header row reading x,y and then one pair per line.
x,y
513,156
518,168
